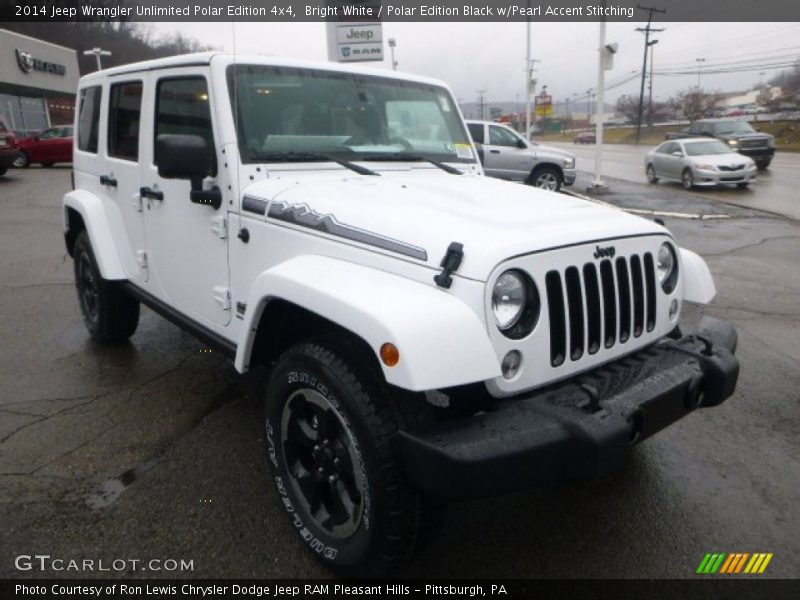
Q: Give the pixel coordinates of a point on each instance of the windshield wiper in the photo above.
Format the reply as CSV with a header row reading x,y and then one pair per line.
x,y
308,156
414,158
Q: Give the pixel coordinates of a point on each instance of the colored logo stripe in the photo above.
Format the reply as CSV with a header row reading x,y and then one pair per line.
x,y
734,563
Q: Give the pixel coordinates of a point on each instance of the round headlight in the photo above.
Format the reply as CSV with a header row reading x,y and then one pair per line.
x,y
508,299
667,267
515,304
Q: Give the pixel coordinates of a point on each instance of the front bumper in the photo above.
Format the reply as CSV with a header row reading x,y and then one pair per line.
x,y
569,176
756,153
580,429
704,177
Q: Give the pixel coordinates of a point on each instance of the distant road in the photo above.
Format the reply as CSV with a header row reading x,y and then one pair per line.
x,y
777,191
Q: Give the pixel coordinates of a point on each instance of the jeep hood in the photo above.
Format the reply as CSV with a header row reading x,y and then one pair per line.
x,y
428,210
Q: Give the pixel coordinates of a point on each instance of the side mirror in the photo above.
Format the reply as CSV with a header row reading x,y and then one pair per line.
x,y
521,144
181,156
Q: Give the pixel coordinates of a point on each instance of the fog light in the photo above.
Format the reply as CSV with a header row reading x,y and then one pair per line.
x,y
673,308
511,364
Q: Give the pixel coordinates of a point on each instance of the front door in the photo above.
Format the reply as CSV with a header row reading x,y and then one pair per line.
x,y
187,245
503,157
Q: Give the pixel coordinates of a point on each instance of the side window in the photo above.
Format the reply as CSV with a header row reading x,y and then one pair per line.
x,y
124,112
500,136
89,118
182,108
476,132
48,134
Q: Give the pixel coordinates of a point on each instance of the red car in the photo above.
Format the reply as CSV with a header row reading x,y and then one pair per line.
x,y
51,146
9,153
585,137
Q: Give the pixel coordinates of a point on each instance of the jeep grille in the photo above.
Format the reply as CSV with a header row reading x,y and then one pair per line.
x,y
590,307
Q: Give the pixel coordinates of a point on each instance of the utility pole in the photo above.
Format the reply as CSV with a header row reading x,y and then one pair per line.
x,y
480,102
647,30
650,86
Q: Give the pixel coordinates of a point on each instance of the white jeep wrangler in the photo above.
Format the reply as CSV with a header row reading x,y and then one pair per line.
x,y
432,333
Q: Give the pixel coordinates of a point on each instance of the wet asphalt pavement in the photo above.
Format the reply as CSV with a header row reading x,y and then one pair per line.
x,y
154,449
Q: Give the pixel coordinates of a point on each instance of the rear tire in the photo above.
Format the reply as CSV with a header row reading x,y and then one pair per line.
x,y
546,178
687,179
23,161
3,171
109,313
651,174
329,425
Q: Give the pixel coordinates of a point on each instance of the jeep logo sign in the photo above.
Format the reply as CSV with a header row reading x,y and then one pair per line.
x,y
608,251
28,63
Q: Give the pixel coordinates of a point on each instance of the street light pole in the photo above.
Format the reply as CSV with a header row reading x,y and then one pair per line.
x,y
699,62
97,53
528,74
598,183
392,44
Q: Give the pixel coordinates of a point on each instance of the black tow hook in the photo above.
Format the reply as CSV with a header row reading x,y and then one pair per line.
x,y
720,373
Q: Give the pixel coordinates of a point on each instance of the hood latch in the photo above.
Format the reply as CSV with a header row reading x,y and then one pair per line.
x,y
450,263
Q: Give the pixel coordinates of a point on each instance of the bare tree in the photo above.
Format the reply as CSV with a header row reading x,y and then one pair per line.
x,y
694,103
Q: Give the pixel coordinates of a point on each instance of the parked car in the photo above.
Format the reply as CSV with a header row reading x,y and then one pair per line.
x,y
740,136
9,152
586,137
506,155
333,223
53,145
699,162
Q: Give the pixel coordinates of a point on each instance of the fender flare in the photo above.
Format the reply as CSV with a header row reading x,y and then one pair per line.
x,y
698,284
442,342
91,210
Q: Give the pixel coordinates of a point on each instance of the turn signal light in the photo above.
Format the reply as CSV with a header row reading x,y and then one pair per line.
x,y
390,355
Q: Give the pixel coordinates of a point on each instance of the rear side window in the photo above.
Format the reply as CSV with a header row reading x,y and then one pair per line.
x,y
124,112
89,118
476,132
182,108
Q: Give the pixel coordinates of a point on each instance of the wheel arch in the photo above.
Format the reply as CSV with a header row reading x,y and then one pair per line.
x,y
546,165
442,342
83,211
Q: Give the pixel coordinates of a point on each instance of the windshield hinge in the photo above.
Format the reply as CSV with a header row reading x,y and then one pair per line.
x,y
220,226
450,263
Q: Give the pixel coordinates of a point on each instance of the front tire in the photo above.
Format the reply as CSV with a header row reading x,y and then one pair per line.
x,y
109,313
687,179
743,185
651,174
546,178
329,424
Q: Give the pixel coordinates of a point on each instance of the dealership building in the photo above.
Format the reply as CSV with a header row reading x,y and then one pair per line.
x,y
37,83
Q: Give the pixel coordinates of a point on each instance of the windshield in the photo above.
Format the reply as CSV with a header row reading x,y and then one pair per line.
x,y
285,110
706,148
733,127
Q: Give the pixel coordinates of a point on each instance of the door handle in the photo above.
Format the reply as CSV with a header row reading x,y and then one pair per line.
x,y
109,181
495,151
147,192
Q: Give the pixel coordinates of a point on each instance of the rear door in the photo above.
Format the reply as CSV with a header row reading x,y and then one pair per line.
x,y
187,245
120,179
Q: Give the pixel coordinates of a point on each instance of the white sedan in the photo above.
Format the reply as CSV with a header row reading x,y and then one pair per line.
x,y
699,162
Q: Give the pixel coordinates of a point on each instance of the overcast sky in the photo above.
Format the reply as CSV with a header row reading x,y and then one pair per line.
x,y
491,56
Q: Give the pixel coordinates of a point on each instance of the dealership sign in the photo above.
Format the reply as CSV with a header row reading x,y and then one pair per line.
x,y
28,63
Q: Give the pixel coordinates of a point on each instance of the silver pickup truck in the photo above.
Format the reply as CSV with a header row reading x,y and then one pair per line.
x,y
507,155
